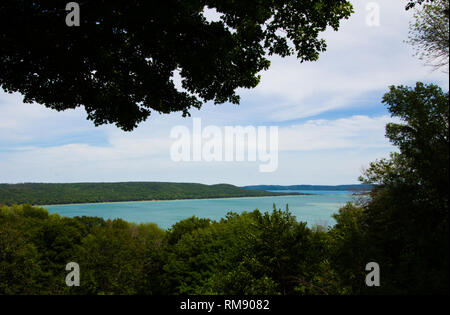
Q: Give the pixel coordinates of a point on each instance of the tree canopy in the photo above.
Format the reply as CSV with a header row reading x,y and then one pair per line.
x,y
247,253
404,224
412,3
121,61
56,193
429,33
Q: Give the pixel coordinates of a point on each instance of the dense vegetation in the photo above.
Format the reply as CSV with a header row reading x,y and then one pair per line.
x,y
403,226
251,253
429,33
47,194
125,53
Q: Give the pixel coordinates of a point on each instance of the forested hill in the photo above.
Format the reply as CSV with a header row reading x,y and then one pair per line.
x,y
310,187
47,194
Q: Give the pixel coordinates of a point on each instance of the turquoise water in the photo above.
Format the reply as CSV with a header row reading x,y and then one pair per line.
x,y
313,209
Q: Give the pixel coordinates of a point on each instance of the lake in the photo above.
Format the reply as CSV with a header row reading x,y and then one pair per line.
x,y
313,209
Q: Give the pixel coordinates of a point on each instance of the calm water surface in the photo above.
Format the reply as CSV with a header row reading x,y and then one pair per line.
x,y
313,209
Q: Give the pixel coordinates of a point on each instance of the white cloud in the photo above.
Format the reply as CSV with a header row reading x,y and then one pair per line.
x,y
351,132
146,156
359,60
21,122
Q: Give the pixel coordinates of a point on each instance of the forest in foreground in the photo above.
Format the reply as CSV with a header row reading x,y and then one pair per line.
x,y
402,226
50,194
250,253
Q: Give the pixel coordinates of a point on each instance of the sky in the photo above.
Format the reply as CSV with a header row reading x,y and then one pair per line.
x,y
330,119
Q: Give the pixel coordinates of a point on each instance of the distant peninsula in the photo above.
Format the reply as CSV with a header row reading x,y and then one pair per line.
x,y
53,193
355,188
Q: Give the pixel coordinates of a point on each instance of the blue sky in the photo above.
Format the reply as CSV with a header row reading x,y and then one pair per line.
x,y
329,113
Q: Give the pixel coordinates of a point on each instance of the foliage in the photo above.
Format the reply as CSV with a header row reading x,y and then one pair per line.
x,y
116,257
248,253
404,225
121,61
412,3
348,239
46,194
429,33
18,258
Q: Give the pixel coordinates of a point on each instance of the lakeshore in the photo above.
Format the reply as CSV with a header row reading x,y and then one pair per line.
x,y
312,208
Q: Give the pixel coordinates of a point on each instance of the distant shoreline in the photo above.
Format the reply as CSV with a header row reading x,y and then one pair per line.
x,y
87,193
159,200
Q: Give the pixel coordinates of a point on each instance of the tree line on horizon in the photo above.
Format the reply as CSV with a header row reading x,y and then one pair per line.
x,y
47,194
